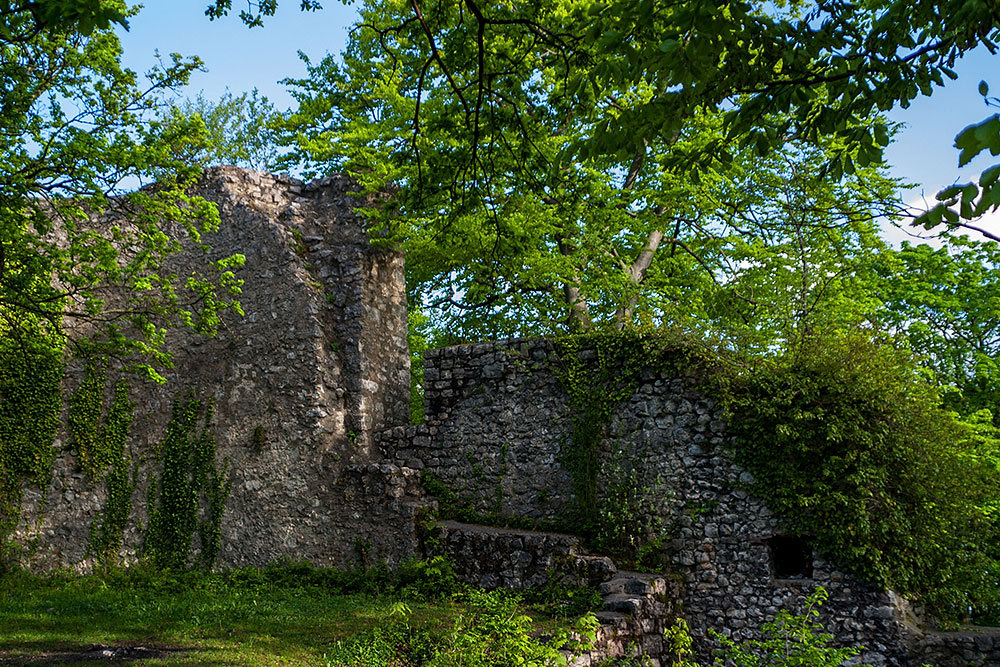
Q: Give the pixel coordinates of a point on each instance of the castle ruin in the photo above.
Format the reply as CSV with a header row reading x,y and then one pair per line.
x,y
311,408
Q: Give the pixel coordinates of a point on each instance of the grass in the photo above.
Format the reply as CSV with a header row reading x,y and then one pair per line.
x,y
285,615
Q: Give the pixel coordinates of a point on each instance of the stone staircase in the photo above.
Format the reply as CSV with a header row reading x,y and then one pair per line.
x,y
637,606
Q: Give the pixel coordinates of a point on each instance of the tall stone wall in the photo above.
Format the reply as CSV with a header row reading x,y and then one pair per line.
x,y
299,384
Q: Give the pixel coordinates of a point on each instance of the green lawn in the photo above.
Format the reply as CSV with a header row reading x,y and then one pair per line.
x,y
276,616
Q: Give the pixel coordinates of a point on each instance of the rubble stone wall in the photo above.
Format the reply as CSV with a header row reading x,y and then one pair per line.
x,y
299,384
497,427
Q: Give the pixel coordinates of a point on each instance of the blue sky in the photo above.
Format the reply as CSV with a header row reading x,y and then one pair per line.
x,y
240,58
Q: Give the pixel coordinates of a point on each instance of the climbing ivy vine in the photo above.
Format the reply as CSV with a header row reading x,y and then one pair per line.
x,y
99,445
85,417
598,372
190,495
30,401
107,531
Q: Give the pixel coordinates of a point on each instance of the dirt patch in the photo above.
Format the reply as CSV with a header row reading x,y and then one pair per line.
x,y
94,653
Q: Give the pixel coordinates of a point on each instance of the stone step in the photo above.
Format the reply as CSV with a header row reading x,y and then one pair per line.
x,y
416,508
624,603
571,543
612,621
595,569
636,583
612,586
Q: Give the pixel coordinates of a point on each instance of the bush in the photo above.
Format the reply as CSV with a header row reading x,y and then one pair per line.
x,y
492,633
849,444
431,579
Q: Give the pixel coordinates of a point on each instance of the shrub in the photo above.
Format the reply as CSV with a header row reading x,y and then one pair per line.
x,y
849,444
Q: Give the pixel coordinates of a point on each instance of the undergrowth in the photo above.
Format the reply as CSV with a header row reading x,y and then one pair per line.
x,y
849,444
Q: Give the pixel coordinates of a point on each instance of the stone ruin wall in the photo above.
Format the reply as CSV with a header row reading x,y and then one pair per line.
x,y
497,423
299,386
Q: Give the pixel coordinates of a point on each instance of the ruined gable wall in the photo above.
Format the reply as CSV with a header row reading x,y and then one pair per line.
x,y
295,383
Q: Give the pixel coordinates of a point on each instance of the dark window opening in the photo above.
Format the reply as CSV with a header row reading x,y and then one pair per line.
x,y
791,558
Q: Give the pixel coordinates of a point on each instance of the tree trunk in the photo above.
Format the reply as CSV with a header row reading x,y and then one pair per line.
x,y
636,273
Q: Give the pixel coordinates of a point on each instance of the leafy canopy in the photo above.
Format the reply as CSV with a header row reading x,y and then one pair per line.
x,y
821,69
505,235
946,303
239,128
79,135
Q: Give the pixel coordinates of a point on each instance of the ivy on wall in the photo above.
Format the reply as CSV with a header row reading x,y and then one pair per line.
x,y
99,445
84,421
190,495
599,372
107,532
30,403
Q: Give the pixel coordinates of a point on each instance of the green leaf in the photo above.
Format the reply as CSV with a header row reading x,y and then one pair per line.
x,y
762,145
669,45
989,176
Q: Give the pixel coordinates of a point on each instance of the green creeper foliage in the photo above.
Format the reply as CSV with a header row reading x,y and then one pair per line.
x,y
30,400
598,372
595,389
100,445
106,532
849,444
97,444
85,419
191,492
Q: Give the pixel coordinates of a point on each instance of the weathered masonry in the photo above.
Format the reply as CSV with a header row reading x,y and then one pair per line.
x,y
495,431
311,403
300,384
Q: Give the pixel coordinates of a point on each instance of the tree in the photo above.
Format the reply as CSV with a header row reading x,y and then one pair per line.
x,y
78,139
819,69
505,236
946,301
240,128
973,199
81,248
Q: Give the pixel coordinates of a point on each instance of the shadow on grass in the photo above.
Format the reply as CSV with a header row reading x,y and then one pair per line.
x,y
27,654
